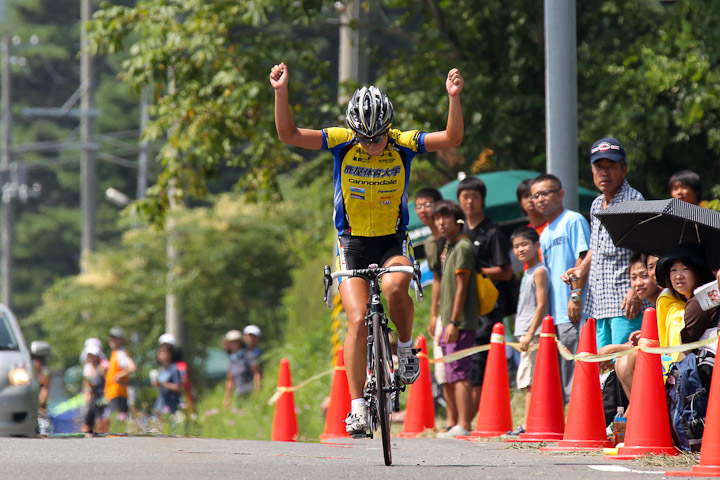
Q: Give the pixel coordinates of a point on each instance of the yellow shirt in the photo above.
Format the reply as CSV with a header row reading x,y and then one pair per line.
x,y
671,321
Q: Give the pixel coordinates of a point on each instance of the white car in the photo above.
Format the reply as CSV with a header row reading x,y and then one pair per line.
x,y
18,385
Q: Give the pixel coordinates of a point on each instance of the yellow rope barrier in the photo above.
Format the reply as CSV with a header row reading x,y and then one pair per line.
x,y
649,346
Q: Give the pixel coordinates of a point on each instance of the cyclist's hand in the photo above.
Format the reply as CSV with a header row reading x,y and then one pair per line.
x,y
279,76
451,333
454,83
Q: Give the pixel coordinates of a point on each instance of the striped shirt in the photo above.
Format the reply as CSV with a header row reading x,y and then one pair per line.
x,y
609,278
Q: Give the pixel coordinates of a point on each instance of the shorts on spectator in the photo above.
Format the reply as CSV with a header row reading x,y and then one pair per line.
x,y
460,369
526,368
118,404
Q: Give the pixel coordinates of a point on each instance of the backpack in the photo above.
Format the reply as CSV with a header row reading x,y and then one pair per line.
x,y
613,396
687,400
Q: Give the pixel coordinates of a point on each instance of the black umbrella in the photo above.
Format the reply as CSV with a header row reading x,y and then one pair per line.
x,y
656,226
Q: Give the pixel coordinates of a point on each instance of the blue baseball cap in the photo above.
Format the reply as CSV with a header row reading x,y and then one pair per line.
x,y
609,148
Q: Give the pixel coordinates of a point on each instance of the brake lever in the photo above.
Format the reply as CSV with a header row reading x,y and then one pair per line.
x,y
418,285
327,280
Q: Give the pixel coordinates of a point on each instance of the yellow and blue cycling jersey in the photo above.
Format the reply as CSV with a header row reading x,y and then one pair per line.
x,y
370,197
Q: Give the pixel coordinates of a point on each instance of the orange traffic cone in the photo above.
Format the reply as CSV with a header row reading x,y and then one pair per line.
x,y
285,428
585,429
494,412
710,450
545,420
420,408
339,402
648,423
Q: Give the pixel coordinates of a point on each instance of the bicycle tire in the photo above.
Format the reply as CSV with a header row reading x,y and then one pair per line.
x,y
383,380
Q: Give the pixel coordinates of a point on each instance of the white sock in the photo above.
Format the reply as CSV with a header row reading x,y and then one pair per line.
x,y
409,343
357,404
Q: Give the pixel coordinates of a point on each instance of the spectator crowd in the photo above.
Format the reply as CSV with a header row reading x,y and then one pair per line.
x,y
572,270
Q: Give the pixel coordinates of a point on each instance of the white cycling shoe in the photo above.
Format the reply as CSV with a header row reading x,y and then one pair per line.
x,y
356,422
409,365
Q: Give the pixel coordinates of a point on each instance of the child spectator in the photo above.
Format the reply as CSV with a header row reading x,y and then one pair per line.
x,y
686,185
167,381
117,376
532,308
94,389
243,374
458,312
182,366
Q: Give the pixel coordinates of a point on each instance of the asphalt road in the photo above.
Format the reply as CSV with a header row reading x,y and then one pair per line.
x,y
198,458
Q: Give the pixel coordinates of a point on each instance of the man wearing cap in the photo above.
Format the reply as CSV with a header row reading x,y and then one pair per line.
x,y
611,301
243,368
118,374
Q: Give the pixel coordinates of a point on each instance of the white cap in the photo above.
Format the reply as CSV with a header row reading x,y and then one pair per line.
x,y
252,330
97,347
93,349
168,338
93,341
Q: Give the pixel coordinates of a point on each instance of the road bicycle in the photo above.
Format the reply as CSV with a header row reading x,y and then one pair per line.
x,y
382,386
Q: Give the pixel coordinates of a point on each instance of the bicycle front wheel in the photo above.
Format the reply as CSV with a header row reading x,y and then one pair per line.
x,y
383,380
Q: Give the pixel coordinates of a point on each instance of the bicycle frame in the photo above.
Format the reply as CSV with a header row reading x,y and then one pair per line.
x,y
382,386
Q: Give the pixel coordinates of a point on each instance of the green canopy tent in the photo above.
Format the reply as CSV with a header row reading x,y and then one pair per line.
x,y
501,203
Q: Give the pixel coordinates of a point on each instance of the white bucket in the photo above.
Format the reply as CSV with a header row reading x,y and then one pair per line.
x,y
708,295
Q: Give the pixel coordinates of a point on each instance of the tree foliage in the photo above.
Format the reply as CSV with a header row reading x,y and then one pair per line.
x,y
646,74
207,63
236,263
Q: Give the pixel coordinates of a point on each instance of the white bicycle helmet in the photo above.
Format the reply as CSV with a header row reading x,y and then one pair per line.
x,y
369,111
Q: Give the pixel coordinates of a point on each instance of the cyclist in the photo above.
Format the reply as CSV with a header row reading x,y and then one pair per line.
x,y
370,176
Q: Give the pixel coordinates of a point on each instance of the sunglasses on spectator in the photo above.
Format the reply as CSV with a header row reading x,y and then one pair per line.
x,y
420,206
370,140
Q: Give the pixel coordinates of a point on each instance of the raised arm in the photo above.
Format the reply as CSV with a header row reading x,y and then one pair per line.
x,y
284,122
453,133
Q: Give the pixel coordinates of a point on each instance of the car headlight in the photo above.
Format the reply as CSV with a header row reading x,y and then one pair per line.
x,y
19,375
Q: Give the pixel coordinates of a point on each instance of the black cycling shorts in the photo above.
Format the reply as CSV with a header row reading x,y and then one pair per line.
x,y
358,252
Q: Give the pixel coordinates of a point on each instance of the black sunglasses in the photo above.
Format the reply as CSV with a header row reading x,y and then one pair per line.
x,y
370,140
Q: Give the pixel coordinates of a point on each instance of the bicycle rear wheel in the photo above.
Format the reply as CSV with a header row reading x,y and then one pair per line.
x,y
383,380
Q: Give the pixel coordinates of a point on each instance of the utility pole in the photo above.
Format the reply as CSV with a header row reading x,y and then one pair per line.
x,y
143,153
352,60
561,96
173,317
88,167
7,226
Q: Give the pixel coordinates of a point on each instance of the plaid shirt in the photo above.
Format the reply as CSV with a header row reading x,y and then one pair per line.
x,y
609,279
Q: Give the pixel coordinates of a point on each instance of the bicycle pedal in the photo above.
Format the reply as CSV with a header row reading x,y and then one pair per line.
x,y
360,435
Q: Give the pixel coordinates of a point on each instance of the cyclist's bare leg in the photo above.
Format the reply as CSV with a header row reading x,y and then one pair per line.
x,y
354,294
401,307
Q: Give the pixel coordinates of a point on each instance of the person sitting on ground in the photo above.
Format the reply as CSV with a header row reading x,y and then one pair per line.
x,y
642,279
680,271
458,313
532,308
686,185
